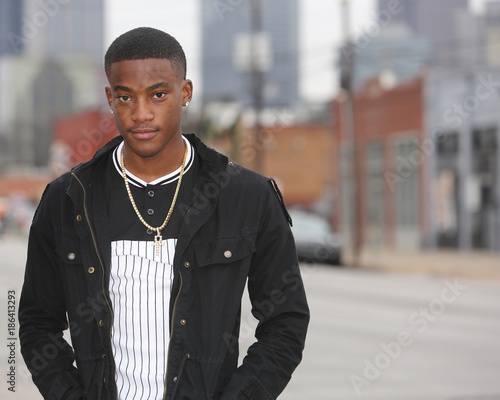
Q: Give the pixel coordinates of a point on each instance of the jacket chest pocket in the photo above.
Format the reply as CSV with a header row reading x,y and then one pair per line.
x,y
224,251
220,274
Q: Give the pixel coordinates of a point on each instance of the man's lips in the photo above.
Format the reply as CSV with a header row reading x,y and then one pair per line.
x,y
143,134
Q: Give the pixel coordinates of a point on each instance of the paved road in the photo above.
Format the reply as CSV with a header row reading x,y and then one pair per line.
x,y
373,336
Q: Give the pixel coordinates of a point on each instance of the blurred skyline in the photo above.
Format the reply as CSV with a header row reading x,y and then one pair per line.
x,y
320,34
417,63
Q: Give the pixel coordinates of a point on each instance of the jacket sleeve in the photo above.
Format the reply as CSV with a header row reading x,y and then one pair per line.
x,y
278,302
42,312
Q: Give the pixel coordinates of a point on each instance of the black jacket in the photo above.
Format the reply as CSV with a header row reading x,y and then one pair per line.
x,y
67,278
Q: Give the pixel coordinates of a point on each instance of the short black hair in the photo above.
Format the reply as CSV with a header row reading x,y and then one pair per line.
x,y
142,43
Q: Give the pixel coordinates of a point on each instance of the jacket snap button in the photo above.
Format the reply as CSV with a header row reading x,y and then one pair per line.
x,y
228,254
187,265
183,322
91,270
79,218
101,323
175,379
71,256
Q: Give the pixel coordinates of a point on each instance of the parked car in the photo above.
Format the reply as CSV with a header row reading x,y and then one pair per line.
x,y
314,238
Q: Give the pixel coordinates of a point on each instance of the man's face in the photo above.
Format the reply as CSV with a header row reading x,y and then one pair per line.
x,y
146,97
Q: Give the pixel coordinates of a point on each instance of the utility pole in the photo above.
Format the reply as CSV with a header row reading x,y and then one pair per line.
x,y
465,157
347,84
257,79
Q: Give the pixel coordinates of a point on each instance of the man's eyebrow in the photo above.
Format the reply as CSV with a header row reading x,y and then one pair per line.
x,y
122,88
158,85
152,87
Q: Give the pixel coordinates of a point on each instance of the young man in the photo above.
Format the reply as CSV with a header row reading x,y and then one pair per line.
x,y
145,250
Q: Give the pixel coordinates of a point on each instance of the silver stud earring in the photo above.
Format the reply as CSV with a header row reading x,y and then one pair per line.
x,y
187,103
111,111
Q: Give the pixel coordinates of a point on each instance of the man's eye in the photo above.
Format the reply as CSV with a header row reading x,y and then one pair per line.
x,y
124,98
159,95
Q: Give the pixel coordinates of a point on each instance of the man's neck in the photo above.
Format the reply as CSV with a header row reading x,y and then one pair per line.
x,y
156,166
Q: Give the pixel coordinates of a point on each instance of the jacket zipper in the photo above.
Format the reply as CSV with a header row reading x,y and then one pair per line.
x,y
100,261
171,333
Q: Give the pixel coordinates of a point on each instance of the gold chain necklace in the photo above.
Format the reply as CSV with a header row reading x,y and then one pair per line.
x,y
158,242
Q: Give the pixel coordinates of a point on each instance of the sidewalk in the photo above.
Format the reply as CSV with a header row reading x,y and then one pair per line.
x,y
450,263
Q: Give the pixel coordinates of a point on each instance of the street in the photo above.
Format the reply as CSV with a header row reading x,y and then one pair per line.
x,y
373,335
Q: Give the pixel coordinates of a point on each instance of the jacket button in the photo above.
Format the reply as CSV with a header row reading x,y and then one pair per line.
x,y
228,254
183,322
187,265
71,256
79,218
101,323
175,379
91,270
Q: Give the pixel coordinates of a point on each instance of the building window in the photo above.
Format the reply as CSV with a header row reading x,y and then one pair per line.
x,y
448,144
446,201
375,194
346,183
484,171
406,153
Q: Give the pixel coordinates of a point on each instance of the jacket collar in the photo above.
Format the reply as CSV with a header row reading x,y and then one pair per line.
x,y
212,159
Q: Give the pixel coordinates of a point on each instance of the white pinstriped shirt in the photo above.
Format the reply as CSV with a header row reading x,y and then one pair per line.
x,y
140,292
140,286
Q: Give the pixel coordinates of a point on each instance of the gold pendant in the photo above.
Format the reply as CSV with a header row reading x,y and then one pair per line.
x,y
158,243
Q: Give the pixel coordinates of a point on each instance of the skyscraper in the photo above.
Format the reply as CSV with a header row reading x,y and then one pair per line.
x,y
10,24
421,34
460,39
435,20
51,66
226,28
490,25
70,28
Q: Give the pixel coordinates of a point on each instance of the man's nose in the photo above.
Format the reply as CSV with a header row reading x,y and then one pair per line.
x,y
142,112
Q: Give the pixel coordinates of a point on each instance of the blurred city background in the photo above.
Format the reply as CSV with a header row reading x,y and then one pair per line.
x,y
382,117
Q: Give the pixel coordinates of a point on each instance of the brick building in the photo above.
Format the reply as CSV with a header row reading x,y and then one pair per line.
x,y
299,157
389,208
77,137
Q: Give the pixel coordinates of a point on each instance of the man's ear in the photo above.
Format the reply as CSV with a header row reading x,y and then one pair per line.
x,y
109,96
187,91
